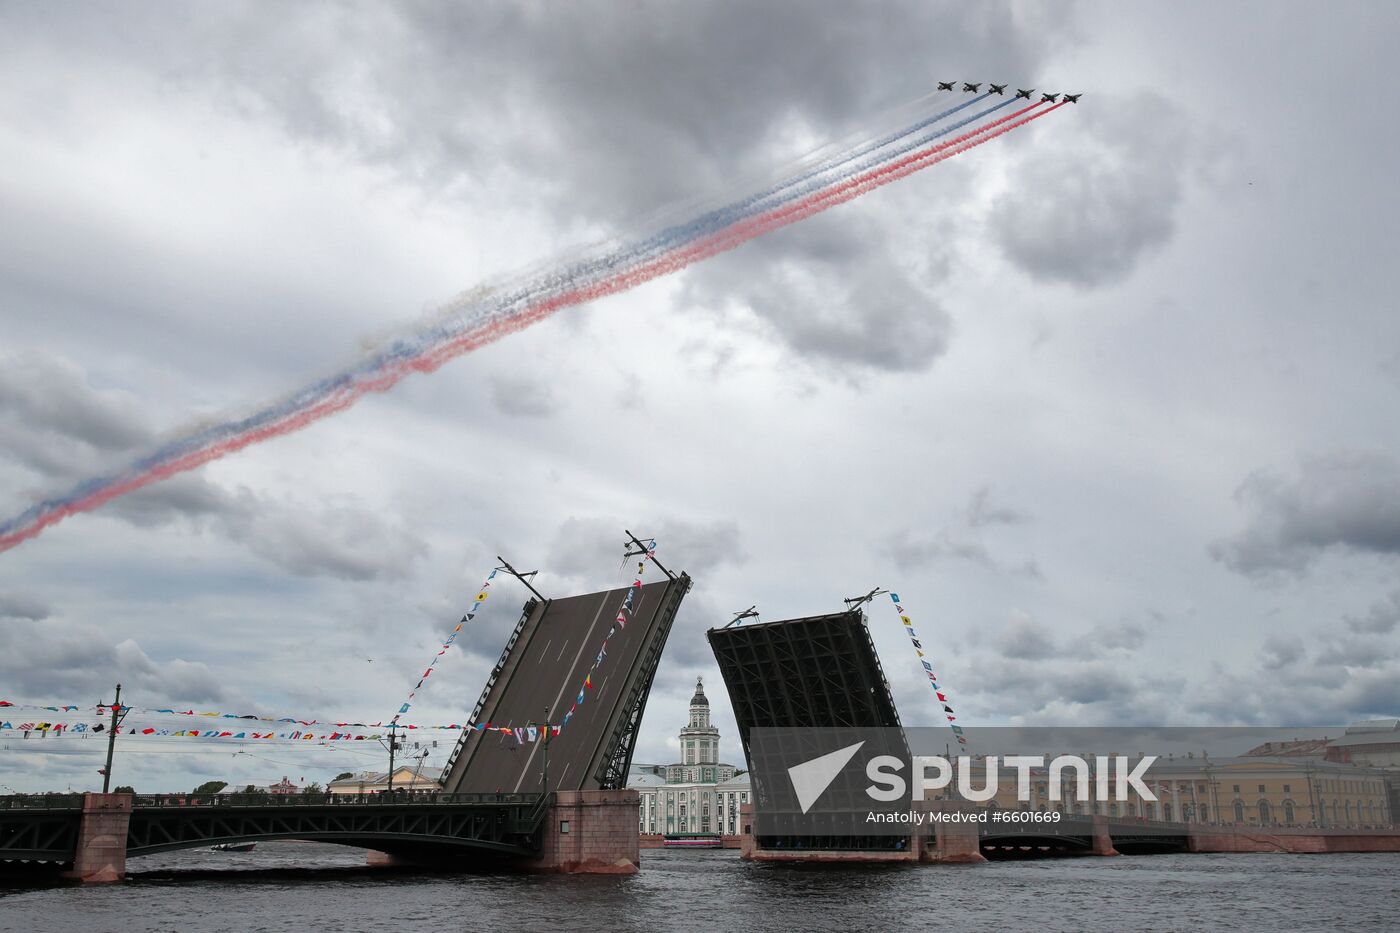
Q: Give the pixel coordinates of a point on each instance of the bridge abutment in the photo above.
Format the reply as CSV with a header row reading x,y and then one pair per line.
x,y
100,856
1102,840
590,832
953,841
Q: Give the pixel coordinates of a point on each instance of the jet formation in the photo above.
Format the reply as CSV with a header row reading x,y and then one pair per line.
x,y
1022,93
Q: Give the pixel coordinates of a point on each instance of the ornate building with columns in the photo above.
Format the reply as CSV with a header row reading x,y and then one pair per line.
x,y
1251,790
698,794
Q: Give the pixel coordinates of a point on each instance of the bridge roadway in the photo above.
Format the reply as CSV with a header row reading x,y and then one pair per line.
x,y
538,679
47,829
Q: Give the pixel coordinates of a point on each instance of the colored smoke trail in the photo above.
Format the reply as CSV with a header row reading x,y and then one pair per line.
x,y
467,325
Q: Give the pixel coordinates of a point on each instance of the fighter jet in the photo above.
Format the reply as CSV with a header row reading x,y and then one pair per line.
x,y
946,85
1024,92
1073,98
971,88
1050,98
995,88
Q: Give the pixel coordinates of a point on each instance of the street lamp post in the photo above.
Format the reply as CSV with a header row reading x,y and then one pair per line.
x,y
117,716
393,747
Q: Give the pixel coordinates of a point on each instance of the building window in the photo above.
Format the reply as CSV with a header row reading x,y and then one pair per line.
x,y
1288,814
1261,788
1265,816
1237,788
1287,789
563,827
1239,811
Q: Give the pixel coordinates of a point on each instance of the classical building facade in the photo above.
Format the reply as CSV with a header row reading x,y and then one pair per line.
x,y
698,794
407,779
1251,790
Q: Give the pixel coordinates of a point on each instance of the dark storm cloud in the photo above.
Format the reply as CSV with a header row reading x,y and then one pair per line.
x,y
591,548
1281,651
1067,690
1343,502
688,647
911,551
65,430
1086,211
618,108
834,291
346,542
63,661
21,606
1346,680
607,112
1126,636
588,550
1029,675
1380,619
50,416
1024,640
982,511
522,397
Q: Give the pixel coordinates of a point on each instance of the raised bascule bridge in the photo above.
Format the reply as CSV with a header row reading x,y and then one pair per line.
x,y
559,803
802,681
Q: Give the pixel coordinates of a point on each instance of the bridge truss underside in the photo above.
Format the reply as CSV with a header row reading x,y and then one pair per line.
x,y
815,672
508,828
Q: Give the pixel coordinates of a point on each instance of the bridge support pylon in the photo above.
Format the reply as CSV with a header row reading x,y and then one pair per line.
x,y
953,841
591,832
1103,842
100,856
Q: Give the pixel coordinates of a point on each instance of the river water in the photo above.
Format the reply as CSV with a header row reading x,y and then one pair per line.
x,y
312,887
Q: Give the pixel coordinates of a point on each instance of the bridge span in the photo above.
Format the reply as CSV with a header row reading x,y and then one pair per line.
x,y
55,830
558,804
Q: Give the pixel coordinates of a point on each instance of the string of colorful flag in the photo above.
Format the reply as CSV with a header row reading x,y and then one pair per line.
x,y
56,729
481,595
43,728
631,604
101,709
928,669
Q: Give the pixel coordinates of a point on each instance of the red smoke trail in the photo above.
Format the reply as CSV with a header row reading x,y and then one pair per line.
x,y
721,242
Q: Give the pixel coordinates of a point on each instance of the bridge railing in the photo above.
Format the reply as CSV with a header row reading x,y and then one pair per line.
x,y
41,802
397,799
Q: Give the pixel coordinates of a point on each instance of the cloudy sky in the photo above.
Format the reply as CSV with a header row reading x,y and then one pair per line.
x,y
1112,402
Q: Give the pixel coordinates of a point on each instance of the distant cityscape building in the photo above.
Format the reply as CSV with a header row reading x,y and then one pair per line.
x,y
1375,743
698,794
1249,790
408,778
282,787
